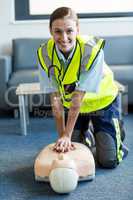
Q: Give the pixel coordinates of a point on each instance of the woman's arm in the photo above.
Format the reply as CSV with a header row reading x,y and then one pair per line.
x,y
58,112
73,112
64,144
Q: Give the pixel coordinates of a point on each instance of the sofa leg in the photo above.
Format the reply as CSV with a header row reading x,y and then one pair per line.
x,y
16,113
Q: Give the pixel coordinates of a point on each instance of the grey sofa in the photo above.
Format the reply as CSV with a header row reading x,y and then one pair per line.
x,y
119,55
21,67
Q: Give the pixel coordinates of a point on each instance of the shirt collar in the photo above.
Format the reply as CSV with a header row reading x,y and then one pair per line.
x,y
62,57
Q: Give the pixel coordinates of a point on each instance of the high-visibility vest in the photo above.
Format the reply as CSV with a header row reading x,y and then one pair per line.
x,y
86,49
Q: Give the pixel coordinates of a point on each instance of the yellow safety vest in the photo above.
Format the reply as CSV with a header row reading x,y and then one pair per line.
x,y
108,90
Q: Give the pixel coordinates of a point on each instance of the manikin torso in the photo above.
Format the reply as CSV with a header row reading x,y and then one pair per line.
x,y
79,159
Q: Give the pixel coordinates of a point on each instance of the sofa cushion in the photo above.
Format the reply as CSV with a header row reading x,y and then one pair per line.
x,y
124,74
25,52
24,76
118,50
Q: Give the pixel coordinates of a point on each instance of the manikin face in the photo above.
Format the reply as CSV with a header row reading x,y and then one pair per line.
x,y
64,32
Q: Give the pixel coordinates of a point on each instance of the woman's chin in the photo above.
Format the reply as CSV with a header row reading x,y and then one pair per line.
x,y
66,49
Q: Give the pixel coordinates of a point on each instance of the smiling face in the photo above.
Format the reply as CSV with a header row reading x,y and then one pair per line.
x,y
64,32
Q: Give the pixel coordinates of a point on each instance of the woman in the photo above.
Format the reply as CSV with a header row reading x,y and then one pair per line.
x,y
79,81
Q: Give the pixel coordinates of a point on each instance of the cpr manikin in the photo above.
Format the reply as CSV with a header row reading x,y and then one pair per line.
x,y
64,170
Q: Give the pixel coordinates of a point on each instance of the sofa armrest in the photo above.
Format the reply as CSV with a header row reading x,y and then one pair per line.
x,y
5,69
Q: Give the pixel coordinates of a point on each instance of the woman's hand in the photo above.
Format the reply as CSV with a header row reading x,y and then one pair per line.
x,y
63,144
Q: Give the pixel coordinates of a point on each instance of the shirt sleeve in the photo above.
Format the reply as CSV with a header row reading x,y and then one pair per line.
x,y
89,80
47,85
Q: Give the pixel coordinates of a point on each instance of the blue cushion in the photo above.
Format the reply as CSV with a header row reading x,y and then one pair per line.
x,y
118,50
25,53
24,76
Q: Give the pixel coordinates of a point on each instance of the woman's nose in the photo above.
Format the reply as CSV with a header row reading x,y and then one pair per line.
x,y
64,36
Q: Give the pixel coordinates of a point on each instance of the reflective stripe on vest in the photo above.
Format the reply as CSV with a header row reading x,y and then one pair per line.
x,y
95,51
41,58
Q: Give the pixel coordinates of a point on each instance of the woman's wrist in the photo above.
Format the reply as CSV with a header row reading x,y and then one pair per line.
x,y
66,135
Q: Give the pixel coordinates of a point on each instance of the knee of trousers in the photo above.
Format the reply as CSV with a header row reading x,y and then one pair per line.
x,y
106,152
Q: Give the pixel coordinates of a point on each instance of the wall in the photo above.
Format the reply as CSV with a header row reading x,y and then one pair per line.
x,y
9,29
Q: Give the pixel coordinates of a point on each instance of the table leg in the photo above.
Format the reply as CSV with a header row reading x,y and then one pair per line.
x,y
26,109
22,114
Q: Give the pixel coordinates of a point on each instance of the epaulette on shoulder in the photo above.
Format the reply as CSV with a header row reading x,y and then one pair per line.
x,y
91,41
44,44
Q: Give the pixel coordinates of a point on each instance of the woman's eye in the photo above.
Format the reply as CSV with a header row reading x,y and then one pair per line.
x,y
58,32
69,31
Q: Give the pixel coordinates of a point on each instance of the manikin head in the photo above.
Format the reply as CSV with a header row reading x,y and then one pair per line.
x,y
64,28
63,177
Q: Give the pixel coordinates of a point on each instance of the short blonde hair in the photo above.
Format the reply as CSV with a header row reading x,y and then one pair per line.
x,y
61,13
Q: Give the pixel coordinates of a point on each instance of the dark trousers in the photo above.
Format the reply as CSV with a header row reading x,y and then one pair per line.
x,y
107,128
101,119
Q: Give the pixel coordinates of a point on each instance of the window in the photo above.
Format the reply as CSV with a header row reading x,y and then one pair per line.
x,y
39,10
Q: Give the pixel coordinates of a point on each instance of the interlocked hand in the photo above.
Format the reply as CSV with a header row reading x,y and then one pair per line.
x,y
64,144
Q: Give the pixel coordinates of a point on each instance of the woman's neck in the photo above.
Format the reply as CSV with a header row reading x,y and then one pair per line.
x,y
66,54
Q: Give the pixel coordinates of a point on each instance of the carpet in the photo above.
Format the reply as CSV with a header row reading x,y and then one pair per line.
x,y
17,155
